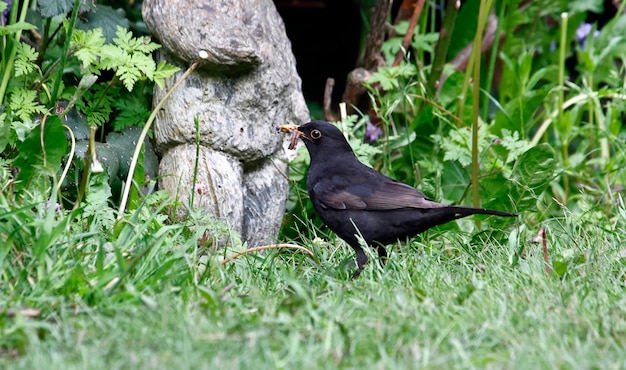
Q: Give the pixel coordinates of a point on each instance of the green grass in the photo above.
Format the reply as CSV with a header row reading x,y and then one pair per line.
x,y
438,303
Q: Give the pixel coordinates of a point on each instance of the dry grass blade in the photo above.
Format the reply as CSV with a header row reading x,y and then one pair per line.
x,y
271,246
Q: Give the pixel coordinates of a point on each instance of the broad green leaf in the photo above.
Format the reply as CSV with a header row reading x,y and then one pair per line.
x,y
519,113
78,124
5,132
579,6
105,18
15,27
32,156
124,144
52,8
464,28
454,180
532,173
105,153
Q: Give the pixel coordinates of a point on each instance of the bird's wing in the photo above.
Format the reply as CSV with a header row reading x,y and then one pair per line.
x,y
377,196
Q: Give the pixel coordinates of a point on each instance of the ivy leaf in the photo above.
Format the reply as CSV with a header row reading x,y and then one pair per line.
x,y
124,144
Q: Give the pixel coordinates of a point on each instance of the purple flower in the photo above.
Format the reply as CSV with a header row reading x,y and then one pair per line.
x,y
5,14
582,32
57,206
372,132
199,188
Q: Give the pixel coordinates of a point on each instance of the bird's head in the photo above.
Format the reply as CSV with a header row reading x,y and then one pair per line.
x,y
321,138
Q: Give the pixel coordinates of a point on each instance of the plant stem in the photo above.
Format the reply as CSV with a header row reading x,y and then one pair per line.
x,y
560,109
197,162
142,137
441,51
12,45
64,54
483,14
492,59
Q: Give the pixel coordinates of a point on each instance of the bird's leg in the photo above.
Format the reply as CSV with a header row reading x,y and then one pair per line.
x,y
382,255
361,260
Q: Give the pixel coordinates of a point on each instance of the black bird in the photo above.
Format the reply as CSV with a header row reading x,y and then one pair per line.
x,y
353,199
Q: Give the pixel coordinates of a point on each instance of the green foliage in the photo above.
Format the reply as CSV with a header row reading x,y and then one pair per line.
x,y
45,148
130,59
97,104
19,117
52,8
77,276
97,207
25,60
63,75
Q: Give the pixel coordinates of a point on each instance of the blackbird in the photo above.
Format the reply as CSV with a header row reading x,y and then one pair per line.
x,y
355,200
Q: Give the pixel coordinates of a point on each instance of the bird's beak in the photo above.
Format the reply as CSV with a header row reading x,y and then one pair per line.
x,y
295,134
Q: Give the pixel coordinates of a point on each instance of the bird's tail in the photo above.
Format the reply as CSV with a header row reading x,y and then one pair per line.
x,y
466,211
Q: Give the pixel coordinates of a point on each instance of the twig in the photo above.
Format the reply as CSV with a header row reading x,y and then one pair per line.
x,y
376,36
355,88
26,312
404,13
328,100
271,246
142,137
542,236
406,41
226,289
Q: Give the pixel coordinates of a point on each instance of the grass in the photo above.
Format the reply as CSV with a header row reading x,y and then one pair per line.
x,y
438,303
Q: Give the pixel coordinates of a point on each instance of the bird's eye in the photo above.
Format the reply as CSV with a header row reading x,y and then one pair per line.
x,y
316,134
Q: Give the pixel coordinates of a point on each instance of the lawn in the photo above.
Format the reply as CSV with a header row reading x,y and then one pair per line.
x,y
438,303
